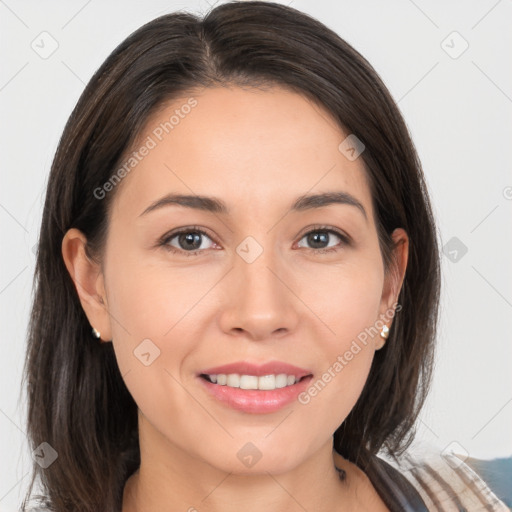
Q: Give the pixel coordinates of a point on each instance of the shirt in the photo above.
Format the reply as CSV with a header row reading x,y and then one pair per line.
x,y
431,482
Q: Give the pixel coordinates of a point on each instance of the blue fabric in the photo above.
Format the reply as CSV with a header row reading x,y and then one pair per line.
x,y
497,474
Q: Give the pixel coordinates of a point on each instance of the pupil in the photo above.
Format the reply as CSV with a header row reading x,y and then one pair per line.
x,y
316,238
189,238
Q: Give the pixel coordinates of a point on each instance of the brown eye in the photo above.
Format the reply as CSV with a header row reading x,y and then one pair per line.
x,y
318,238
189,241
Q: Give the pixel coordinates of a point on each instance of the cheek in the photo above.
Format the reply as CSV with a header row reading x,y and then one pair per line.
x,y
155,323
345,298
347,305
147,298
339,381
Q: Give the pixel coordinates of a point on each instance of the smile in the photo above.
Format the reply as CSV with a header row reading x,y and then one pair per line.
x,y
264,382
254,401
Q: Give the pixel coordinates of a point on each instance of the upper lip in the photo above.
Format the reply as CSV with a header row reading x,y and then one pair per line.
x,y
247,368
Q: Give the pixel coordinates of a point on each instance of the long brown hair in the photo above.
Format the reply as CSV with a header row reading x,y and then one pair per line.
x,y
77,399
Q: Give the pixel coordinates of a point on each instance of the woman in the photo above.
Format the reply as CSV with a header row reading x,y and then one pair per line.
x,y
237,280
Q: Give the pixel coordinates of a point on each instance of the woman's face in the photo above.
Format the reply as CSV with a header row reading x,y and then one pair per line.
x,y
256,288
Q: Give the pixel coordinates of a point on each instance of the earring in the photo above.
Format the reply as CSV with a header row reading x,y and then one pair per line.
x,y
96,333
385,332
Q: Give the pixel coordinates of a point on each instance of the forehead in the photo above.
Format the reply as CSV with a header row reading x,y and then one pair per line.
x,y
254,149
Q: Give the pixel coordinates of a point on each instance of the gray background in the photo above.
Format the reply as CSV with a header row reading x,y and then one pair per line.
x,y
456,103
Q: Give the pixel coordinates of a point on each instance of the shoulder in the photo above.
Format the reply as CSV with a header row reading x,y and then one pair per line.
x,y
444,481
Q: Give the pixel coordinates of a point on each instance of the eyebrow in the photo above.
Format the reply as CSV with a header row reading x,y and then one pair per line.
x,y
214,205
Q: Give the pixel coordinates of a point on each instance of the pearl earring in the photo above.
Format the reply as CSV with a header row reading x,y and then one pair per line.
x,y
96,333
385,332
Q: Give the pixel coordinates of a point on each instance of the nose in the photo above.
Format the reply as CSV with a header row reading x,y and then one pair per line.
x,y
259,303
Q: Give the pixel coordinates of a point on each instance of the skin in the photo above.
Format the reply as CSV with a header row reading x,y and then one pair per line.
x,y
257,151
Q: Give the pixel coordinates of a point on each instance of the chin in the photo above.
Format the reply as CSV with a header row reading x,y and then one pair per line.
x,y
254,459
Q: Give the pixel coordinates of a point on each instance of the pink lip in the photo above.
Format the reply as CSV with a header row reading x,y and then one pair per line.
x,y
253,400
246,368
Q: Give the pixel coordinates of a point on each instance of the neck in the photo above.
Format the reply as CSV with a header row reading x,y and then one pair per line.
x,y
171,479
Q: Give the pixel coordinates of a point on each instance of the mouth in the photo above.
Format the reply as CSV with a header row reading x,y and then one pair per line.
x,y
259,392
248,375
262,383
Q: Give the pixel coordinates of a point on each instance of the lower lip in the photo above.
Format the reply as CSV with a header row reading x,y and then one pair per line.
x,y
255,401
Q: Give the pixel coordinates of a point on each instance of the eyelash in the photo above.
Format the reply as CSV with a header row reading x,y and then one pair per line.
x,y
164,241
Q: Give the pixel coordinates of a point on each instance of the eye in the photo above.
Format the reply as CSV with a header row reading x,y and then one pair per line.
x,y
322,235
189,241
186,241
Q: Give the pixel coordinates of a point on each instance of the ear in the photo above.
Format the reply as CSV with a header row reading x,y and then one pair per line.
x,y
89,281
393,280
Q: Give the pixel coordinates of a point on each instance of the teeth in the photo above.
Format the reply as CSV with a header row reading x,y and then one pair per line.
x,y
246,382
233,380
265,382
